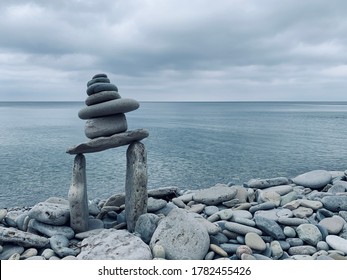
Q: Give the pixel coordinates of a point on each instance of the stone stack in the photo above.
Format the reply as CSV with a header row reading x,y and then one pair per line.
x,y
105,111
106,128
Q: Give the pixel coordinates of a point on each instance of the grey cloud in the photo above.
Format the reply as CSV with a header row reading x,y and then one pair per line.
x,y
166,49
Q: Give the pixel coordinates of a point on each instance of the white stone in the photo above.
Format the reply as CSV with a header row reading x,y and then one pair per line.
x,y
112,244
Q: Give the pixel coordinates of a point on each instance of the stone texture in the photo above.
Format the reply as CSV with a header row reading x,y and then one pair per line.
x,y
104,143
302,250
112,107
9,250
181,236
309,233
215,195
270,227
241,229
266,183
335,203
25,239
50,213
112,244
315,179
78,198
105,126
146,225
102,96
60,246
155,204
135,184
50,230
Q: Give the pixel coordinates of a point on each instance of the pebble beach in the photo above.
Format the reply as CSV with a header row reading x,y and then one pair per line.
x,y
301,218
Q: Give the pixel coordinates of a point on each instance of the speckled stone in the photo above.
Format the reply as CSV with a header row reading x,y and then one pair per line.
x,y
215,195
315,179
309,233
333,224
254,241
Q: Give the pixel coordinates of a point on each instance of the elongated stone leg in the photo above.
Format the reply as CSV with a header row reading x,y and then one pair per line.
x,y
78,199
135,184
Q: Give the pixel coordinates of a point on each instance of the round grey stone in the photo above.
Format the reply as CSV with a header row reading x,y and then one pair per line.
x,y
333,224
309,233
210,210
98,80
254,241
50,213
215,195
302,250
315,179
9,250
100,75
50,230
146,225
289,232
105,126
155,204
181,236
112,107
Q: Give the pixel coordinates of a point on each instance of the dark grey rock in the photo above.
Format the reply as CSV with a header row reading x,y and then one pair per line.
x,y
101,97
60,246
98,80
164,192
295,241
262,206
270,227
50,230
146,225
105,126
25,239
335,203
104,143
10,249
100,75
136,184
112,107
98,87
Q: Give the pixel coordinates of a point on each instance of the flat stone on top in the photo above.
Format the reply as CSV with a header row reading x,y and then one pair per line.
x,y
112,107
104,143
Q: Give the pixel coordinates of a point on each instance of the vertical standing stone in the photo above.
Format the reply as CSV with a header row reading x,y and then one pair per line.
x,y
135,184
78,200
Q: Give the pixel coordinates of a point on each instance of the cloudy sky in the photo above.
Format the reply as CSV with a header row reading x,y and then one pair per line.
x,y
158,50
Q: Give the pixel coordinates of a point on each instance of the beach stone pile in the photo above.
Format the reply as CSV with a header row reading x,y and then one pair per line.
x,y
105,111
301,218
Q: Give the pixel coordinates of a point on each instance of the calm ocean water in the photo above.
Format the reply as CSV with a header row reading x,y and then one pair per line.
x,y
191,145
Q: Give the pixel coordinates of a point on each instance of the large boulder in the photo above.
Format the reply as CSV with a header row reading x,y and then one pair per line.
x,y
181,236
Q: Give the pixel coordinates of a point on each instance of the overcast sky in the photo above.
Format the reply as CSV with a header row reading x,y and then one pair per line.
x,y
158,50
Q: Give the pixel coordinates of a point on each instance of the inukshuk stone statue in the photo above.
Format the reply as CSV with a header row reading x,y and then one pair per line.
x,y
106,127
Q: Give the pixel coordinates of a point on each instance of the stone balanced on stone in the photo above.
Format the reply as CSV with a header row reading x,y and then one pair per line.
x,y
106,126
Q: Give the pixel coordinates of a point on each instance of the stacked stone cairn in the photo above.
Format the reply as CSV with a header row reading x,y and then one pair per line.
x,y
107,126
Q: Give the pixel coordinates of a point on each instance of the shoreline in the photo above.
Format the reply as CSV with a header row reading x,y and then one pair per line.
x,y
273,219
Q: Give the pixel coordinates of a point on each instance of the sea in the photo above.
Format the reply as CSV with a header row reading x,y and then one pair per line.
x,y
190,145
